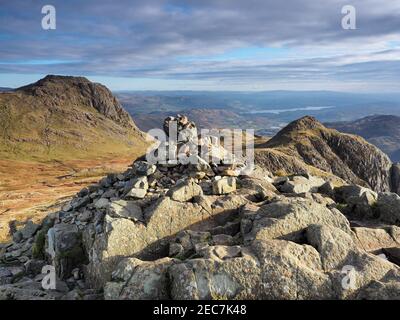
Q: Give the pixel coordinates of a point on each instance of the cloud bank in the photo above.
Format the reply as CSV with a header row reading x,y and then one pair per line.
x,y
227,43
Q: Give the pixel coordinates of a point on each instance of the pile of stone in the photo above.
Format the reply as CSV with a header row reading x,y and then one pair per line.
x,y
162,231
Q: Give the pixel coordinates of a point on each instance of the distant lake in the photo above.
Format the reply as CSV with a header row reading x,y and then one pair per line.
x,y
278,111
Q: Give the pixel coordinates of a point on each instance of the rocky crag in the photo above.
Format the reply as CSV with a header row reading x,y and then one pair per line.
x,y
306,145
173,231
382,131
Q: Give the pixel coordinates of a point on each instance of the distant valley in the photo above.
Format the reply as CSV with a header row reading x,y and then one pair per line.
x,y
266,112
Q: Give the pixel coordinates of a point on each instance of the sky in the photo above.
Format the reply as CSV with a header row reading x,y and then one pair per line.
x,y
239,45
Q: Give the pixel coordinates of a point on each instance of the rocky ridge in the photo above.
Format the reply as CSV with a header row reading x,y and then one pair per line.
x,y
381,130
305,144
173,231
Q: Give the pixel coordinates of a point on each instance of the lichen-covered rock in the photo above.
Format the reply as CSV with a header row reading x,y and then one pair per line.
x,y
343,193
332,243
229,278
134,279
185,191
291,271
123,237
142,168
339,253
287,219
224,185
374,239
65,248
388,207
379,290
125,209
300,184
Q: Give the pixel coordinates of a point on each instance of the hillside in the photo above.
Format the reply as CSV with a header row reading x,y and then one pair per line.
x,y
64,118
380,130
306,142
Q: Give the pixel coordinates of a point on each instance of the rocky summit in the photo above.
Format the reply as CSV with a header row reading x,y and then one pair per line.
x,y
183,231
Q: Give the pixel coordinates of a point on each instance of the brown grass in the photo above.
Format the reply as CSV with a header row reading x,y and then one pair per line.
x,y
31,190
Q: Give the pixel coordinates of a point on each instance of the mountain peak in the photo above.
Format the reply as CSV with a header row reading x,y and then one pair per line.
x,y
304,123
52,80
59,115
70,91
347,156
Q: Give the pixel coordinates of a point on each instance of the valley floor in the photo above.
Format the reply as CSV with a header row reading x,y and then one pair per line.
x,y
31,190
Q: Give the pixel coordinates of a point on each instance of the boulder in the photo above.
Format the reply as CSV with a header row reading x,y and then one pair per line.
x,y
339,254
388,207
224,185
287,219
366,268
271,269
188,241
137,188
362,207
102,203
374,239
134,279
343,193
142,168
395,178
381,290
327,189
65,248
332,243
125,209
227,278
136,193
29,230
393,254
300,184
291,271
185,191
123,237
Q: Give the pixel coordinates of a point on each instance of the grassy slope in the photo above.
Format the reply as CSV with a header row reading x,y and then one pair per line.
x,y
30,132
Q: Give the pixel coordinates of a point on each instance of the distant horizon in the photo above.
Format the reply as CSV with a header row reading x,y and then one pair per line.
x,y
11,84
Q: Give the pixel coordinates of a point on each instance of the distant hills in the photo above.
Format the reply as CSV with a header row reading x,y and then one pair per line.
x,y
380,130
267,112
61,117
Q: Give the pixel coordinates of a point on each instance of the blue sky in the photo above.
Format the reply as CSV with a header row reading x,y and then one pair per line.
x,y
205,45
